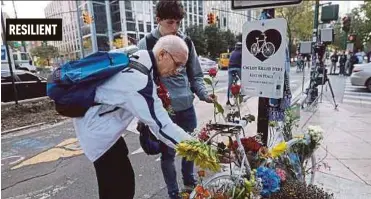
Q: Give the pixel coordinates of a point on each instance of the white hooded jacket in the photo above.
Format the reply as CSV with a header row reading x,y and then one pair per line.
x,y
135,94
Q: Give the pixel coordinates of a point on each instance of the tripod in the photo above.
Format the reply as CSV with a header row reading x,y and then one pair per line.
x,y
318,77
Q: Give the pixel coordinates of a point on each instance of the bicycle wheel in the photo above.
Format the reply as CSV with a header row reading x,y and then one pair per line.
x,y
219,185
254,49
268,49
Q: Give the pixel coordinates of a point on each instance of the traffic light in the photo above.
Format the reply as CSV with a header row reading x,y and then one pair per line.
x,y
346,23
210,18
86,18
352,38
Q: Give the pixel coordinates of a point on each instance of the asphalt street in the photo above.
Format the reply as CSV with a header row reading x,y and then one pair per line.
x,y
48,162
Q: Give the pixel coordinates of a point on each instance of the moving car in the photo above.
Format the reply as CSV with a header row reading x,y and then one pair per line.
x,y
361,75
28,85
224,60
207,64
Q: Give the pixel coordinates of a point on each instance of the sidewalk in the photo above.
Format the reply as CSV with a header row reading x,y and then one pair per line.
x,y
347,138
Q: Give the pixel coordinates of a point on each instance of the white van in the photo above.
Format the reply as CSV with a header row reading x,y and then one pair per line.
x,y
20,60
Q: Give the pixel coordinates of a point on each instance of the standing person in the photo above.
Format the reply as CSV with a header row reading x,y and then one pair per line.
x,y
352,60
181,87
342,61
234,66
334,60
129,93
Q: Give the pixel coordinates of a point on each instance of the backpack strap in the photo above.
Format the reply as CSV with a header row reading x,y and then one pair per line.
x,y
150,41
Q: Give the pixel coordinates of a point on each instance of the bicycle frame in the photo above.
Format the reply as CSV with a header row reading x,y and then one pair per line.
x,y
235,130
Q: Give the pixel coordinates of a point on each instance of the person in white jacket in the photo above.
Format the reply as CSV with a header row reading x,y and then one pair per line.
x,y
128,94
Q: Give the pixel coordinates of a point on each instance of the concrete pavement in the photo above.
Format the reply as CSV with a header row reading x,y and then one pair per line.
x,y
346,149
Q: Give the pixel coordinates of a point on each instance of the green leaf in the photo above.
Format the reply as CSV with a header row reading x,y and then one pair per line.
x,y
208,81
219,108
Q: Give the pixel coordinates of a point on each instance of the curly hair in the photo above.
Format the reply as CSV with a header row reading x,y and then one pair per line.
x,y
170,9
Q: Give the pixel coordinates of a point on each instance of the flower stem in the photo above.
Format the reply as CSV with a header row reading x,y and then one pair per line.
x,y
212,86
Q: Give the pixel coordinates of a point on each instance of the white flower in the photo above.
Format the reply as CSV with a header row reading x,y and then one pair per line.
x,y
316,133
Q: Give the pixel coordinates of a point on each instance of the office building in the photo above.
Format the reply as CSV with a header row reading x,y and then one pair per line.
x,y
69,47
228,18
127,20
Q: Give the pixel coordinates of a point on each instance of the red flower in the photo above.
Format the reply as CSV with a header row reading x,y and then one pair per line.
x,y
213,72
235,89
249,144
204,135
163,94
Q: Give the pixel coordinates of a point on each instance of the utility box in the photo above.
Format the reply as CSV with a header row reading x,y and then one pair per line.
x,y
330,13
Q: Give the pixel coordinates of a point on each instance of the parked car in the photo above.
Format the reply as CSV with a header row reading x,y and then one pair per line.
x,y
207,64
28,85
361,75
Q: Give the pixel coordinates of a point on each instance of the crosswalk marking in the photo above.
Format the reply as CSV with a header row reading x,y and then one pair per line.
x,y
356,94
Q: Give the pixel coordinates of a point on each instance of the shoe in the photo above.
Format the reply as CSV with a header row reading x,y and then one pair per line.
x,y
228,103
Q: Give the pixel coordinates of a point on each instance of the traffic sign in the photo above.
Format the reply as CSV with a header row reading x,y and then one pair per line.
x,y
264,57
246,4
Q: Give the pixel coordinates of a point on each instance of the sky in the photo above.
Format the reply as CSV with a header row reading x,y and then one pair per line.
x,y
35,9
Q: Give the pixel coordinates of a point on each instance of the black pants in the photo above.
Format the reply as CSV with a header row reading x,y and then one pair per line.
x,y
115,174
342,68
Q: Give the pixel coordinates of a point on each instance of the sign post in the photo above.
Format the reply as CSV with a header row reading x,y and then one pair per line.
x,y
269,108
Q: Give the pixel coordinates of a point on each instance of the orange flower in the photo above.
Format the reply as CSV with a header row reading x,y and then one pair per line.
x,y
199,189
201,173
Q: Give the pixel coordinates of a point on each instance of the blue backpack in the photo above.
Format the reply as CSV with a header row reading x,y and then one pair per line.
x,y
72,86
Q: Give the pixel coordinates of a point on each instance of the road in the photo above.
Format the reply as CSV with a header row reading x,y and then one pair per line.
x,y
47,163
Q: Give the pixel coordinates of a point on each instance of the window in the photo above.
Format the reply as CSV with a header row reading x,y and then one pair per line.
x,y
141,26
129,16
130,26
100,18
15,57
102,42
128,5
24,56
28,77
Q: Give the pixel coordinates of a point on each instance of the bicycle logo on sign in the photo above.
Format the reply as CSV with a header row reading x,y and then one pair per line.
x,y
267,48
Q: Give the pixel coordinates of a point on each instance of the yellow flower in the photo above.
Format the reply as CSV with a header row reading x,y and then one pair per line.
x,y
278,149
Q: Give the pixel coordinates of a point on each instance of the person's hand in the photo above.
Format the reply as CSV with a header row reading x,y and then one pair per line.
x,y
211,98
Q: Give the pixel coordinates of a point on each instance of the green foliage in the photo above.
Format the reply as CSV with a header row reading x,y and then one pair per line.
x,y
45,52
211,41
361,24
299,21
196,33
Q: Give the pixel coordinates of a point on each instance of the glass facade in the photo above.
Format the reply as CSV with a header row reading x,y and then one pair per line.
x,y
133,18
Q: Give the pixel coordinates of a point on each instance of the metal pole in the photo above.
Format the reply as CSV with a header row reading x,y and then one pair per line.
x,y
79,29
263,108
109,24
92,27
8,56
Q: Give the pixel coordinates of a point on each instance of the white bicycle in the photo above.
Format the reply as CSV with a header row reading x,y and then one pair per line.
x,y
222,183
267,48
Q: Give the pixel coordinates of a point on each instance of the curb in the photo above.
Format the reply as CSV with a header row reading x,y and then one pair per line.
x,y
21,128
33,128
6,104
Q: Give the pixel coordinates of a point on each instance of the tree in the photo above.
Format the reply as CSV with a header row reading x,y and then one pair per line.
x,y
45,52
214,41
197,34
361,24
239,37
230,40
299,21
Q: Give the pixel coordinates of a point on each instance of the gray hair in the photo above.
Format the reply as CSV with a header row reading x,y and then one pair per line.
x,y
172,44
